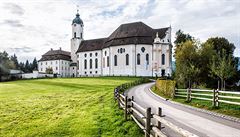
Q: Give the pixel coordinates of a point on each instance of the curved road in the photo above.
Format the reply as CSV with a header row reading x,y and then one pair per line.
x,y
196,122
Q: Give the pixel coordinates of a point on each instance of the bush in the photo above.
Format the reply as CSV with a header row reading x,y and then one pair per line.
x,y
166,87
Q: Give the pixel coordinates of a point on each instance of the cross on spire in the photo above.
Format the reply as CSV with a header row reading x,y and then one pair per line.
x,y
77,8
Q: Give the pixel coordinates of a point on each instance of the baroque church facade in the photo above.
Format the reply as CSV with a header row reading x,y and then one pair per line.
x,y
133,49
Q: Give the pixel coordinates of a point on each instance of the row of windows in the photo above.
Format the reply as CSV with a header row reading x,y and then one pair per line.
x,y
85,55
127,59
55,63
91,72
91,64
138,59
56,68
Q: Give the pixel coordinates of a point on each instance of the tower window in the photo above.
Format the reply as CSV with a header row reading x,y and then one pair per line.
x,y
115,60
85,55
90,54
75,34
90,63
127,59
138,59
147,59
96,54
81,35
163,59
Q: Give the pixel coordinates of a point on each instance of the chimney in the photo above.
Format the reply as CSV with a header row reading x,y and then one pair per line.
x,y
51,49
60,48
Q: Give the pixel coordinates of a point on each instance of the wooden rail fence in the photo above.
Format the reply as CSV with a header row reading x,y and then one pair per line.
x,y
144,117
215,96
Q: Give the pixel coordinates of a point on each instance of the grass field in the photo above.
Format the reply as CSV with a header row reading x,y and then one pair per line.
x,y
227,109
63,107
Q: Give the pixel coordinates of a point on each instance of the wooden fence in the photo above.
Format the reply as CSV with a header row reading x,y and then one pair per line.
x,y
215,96
144,116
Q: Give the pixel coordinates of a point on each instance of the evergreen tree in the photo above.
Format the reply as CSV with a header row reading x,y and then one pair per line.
x,y
15,61
34,64
27,67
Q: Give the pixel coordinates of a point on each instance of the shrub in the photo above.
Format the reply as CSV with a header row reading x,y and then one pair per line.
x,y
166,87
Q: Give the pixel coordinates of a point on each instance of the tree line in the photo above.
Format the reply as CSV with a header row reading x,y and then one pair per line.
x,y
208,64
11,62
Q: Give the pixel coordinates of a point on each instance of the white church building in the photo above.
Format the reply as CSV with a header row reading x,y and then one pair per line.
x,y
133,49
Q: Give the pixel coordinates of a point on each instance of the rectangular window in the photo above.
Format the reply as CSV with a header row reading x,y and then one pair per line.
x,y
75,34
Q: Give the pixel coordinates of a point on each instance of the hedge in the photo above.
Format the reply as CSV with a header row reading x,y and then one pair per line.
x,y
166,87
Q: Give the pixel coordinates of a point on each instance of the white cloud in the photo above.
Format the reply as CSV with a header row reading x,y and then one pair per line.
x,y
39,25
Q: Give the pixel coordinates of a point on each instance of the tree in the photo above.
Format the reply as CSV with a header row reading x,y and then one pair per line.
x,y
15,61
221,45
181,37
187,57
222,67
49,70
27,67
34,64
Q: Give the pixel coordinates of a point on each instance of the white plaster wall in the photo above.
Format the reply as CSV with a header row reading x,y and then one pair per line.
x,y
93,71
144,69
121,69
59,67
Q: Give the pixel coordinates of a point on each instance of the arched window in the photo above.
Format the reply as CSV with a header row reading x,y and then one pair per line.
x,y
147,59
115,60
163,59
90,63
85,64
107,61
138,59
75,34
127,59
96,63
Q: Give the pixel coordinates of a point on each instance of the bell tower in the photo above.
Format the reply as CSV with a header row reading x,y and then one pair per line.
x,y
77,37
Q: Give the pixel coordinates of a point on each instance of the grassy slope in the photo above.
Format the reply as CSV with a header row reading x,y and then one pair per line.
x,y
63,107
227,109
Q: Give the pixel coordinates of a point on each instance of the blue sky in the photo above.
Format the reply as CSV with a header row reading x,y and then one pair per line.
x,y
31,28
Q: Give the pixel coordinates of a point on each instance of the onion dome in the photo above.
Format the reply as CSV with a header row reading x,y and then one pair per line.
x,y
77,20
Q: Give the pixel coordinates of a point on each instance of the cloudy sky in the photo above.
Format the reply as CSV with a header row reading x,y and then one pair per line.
x,y
30,28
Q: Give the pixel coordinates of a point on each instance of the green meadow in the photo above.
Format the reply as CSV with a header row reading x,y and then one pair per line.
x,y
82,107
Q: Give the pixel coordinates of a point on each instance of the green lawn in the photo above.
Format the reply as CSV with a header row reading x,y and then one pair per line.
x,y
63,107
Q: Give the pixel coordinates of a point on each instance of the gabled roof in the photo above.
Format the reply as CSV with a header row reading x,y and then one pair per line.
x,y
56,55
130,33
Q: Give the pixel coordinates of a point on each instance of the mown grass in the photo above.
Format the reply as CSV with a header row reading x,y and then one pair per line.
x,y
227,109
81,107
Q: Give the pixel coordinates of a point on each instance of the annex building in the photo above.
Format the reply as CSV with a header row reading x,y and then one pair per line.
x,y
133,49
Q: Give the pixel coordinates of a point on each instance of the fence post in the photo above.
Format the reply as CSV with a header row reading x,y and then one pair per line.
x,y
148,122
174,92
126,107
118,100
159,125
187,95
214,98
132,100
217,103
